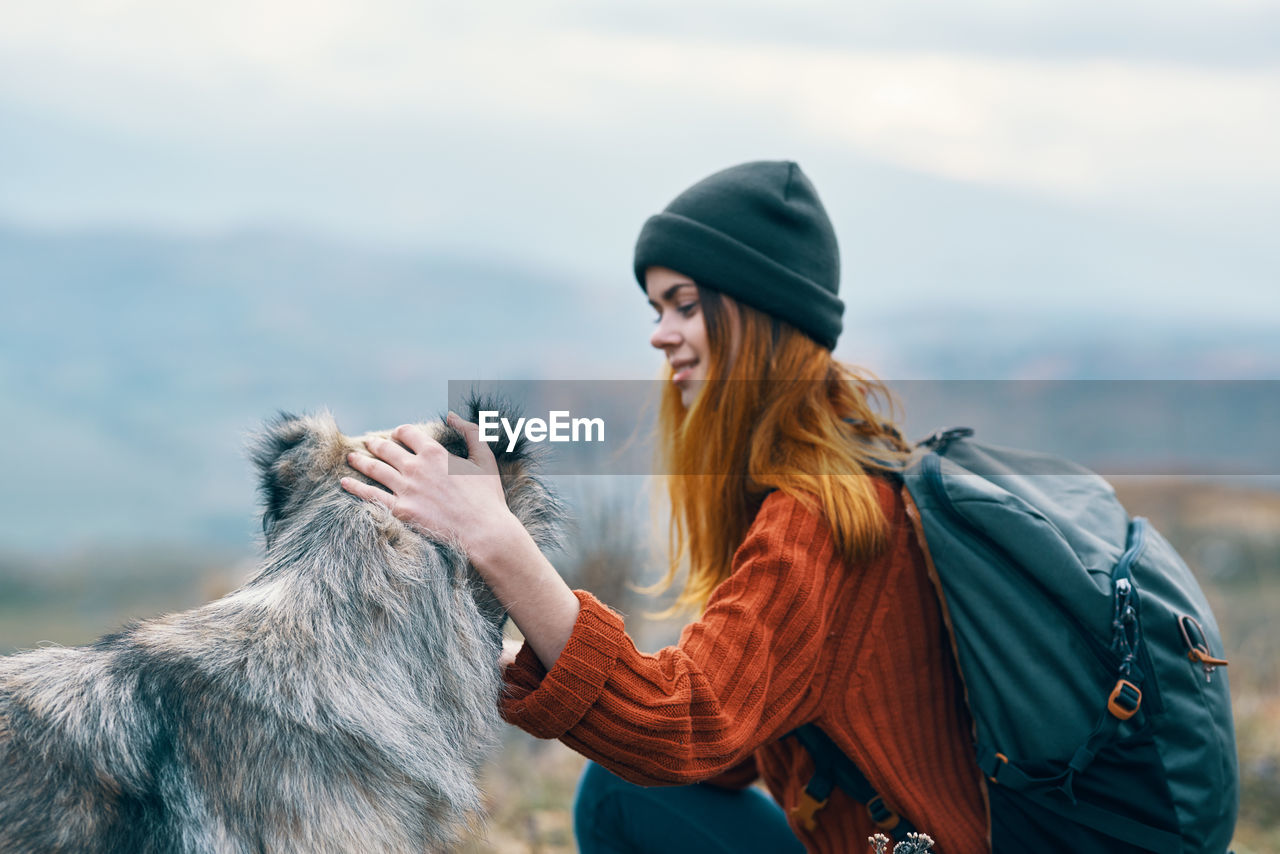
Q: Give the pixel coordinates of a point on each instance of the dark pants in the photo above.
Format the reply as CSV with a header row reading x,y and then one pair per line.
x,y
612,816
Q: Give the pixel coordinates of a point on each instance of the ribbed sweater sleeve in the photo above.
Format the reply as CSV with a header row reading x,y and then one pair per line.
x,y
738,678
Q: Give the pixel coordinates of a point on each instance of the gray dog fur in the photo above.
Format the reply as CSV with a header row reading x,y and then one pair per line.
x,y
342,700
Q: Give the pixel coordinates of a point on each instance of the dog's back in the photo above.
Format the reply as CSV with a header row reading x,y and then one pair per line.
x,y
74,763
120,748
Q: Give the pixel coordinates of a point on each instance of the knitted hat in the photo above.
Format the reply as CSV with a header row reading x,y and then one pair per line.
x,y
759,233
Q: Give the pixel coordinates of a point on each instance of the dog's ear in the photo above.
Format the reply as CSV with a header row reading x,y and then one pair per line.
x,y
279,450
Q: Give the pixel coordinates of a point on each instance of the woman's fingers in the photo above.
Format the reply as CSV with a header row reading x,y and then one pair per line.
x,y
368,492
471,510
376,469
478,451
395,455
412,437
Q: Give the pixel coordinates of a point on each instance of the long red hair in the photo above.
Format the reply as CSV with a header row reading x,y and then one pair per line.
x,y
776,412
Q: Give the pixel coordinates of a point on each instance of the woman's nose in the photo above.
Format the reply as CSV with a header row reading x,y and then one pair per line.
x,y
665,335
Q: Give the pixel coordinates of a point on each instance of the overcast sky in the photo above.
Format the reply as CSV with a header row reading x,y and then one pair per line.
x,y
548,131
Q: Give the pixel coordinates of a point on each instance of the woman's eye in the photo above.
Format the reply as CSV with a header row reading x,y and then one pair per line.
x,y
685,310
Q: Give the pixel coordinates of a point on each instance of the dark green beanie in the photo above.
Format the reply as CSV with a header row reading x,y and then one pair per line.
x,y
759,233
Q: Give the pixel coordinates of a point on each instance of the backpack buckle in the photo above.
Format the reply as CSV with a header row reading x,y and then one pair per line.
x,y
883,817
996,769
1125,700
804,811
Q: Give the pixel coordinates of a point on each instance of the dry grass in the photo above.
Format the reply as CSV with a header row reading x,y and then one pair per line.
x,y
529,794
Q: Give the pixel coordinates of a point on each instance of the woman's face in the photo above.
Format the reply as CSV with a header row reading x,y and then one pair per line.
x,y
682,330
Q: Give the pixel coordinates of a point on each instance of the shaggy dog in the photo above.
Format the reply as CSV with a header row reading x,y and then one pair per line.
x,y
340,701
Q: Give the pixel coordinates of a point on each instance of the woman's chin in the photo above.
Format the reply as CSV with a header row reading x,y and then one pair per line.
x,y
689,391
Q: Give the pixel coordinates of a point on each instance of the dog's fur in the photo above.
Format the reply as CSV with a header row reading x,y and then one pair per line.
x,y
340,701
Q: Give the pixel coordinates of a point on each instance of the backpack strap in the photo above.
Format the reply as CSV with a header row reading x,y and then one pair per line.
x,y
832,768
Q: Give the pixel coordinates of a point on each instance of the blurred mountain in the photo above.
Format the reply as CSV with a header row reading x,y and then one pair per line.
x,y
974,342
132,364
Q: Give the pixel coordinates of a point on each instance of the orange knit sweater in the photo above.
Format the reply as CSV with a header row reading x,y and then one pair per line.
x,y
793,636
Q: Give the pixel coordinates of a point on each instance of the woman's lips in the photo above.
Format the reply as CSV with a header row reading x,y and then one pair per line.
x,y
682,374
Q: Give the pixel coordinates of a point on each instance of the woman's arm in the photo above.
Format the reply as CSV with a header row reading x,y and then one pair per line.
x,y
463,500
748,671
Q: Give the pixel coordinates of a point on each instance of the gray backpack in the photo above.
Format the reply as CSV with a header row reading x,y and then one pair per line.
x,y
1091,662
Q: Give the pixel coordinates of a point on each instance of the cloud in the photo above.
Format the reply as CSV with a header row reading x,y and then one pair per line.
x,y
282,79
1239,33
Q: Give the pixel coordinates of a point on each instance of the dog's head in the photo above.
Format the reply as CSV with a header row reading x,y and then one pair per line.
x,y
301,460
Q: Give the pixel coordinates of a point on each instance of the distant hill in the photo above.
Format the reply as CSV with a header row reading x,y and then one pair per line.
x,y
132,364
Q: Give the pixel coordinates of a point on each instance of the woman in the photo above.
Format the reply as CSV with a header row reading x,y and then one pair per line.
x,y
815,602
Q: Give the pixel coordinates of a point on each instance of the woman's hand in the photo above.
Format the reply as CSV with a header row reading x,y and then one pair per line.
x,y
510,649
446,496
463,500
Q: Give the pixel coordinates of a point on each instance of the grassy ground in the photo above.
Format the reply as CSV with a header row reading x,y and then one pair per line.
x,y
528,789
1230,537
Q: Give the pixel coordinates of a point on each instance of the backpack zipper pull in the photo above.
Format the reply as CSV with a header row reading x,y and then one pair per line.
x,y
1193,634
